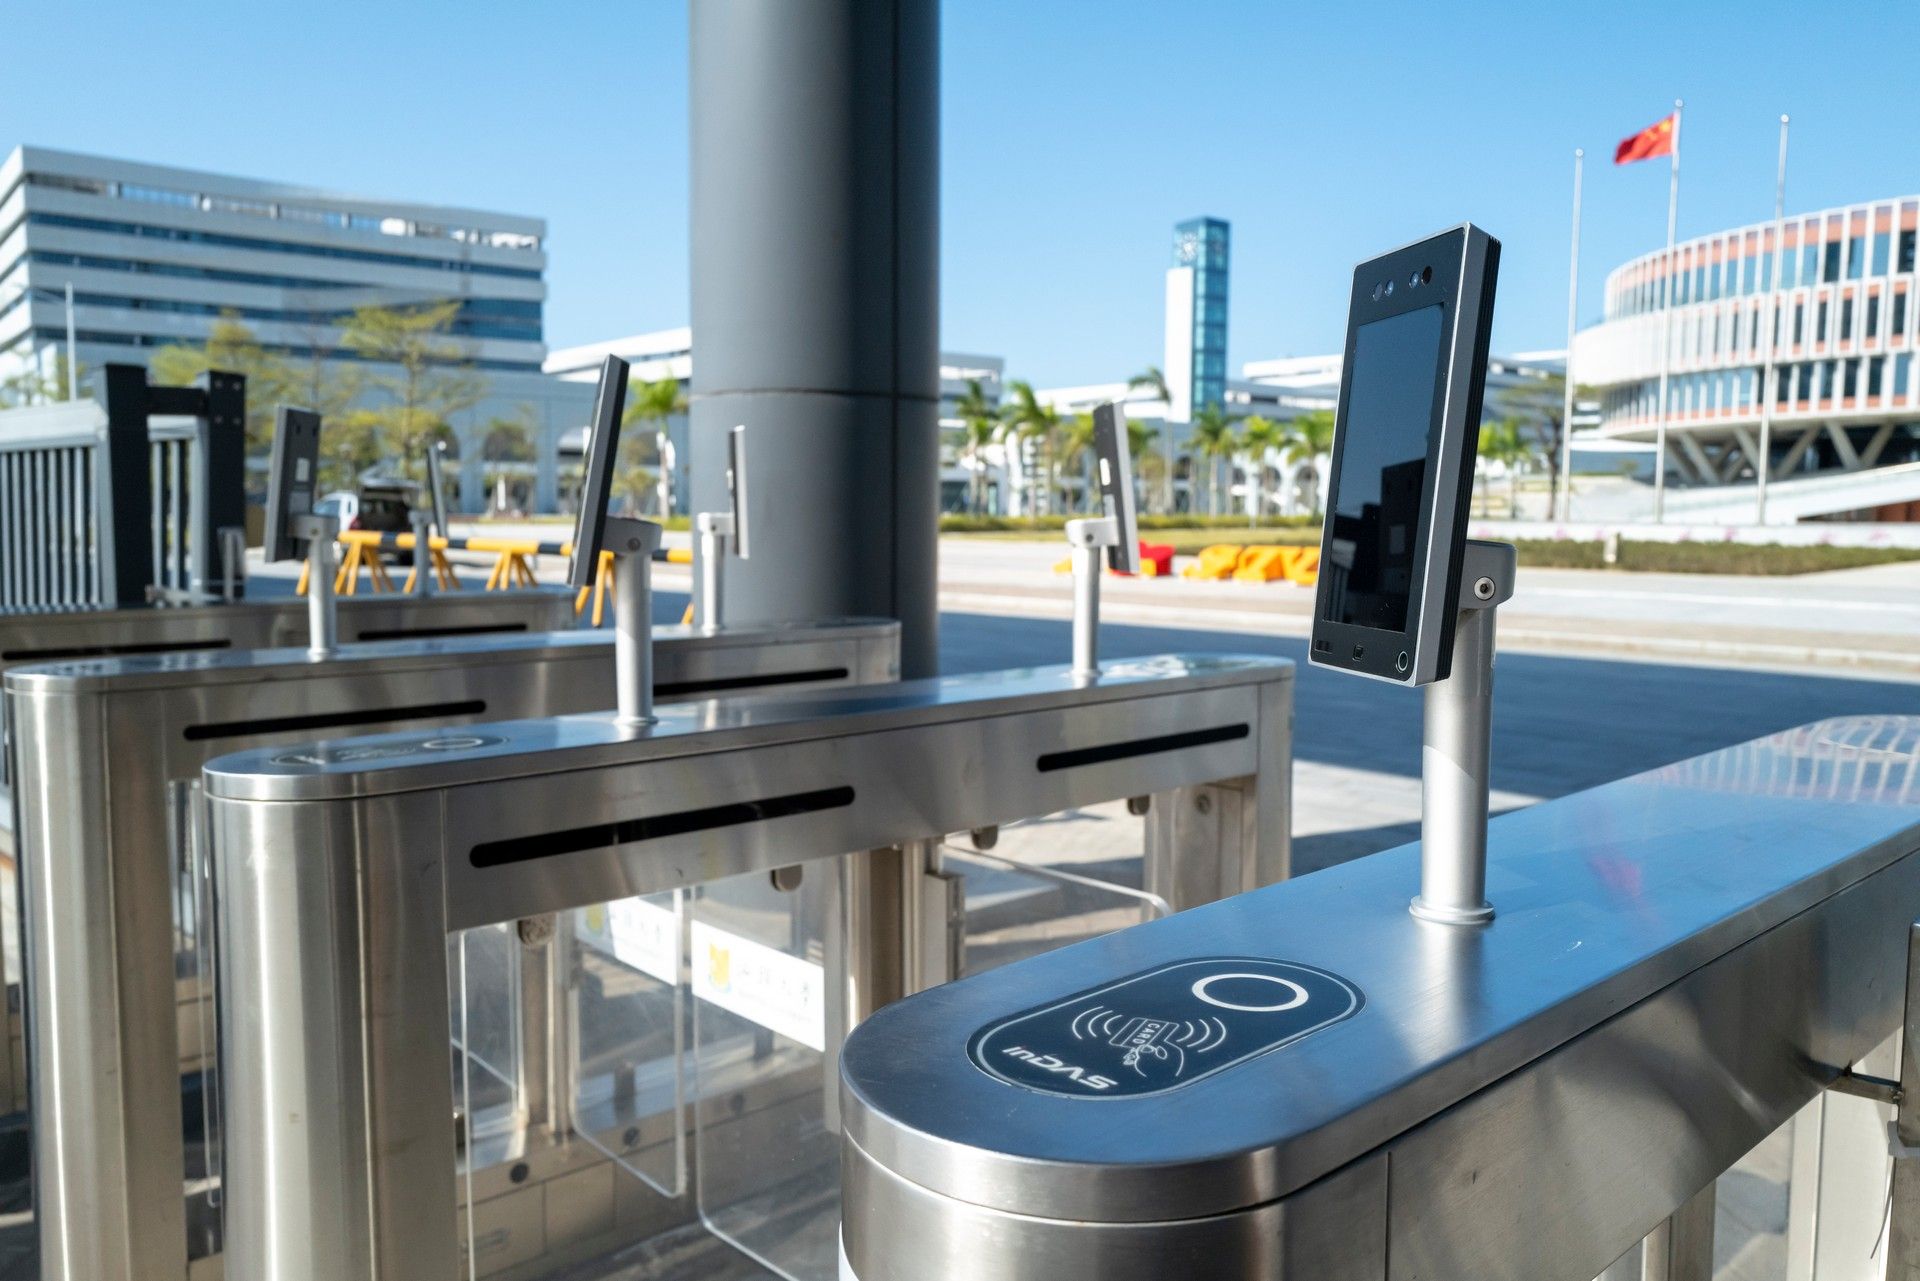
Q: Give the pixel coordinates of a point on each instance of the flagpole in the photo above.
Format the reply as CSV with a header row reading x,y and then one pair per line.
x,y
1666,331
1768,392
1573,302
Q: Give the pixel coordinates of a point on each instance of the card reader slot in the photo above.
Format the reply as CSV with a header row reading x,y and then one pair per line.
x,y
765,680
58,652
333,720
425,633
1105,752
653,827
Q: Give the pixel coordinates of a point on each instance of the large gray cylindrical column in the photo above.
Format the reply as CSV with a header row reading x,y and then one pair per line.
x,y
816,302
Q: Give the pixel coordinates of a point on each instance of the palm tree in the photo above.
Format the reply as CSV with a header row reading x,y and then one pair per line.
x,y
1214,438
1026,420
1151,379
1259,435
1147,462
1308,439
1076,438
979,427
1504,441
650,402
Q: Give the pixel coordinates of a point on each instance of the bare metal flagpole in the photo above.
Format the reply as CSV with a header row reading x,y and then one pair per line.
x,y
1573,302
1768,392
1666,331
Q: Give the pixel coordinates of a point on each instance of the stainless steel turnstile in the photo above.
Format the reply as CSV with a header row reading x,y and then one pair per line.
x,y
50,635
1680,961
108,757
369,891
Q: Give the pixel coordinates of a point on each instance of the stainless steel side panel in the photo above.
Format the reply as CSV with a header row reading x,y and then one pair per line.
x,y
1554,1172
908,784
1334,1230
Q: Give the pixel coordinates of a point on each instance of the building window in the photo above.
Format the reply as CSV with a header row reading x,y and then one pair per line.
x,y
1820,323
1799,323
1873,377
1906,252
1856,257
1901,364
1873,316
1880,253
1898,305
1850,378
1846,318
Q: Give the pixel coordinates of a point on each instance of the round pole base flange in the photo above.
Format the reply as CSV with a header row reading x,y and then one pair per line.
x,y
1451,915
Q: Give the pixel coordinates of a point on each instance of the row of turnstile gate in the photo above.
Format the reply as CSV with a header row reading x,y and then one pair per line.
x,y
612,1032
408,961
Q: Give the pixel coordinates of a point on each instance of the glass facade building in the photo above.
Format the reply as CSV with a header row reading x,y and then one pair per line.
x,y
1838,294
157,256
1202,244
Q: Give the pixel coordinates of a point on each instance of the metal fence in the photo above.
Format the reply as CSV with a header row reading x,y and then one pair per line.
x,y
114,500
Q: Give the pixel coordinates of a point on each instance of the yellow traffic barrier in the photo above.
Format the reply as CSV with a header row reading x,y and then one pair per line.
x,y
1216,562
1265,564
1305,569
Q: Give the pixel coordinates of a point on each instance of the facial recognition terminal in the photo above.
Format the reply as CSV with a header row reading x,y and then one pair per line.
x,y
1403,454
292,475
1114,458
603,444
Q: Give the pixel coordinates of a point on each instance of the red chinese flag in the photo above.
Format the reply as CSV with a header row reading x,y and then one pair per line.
x,y
1654,140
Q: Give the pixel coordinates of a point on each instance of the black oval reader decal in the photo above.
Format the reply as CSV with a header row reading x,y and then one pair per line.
x,y
1163,1028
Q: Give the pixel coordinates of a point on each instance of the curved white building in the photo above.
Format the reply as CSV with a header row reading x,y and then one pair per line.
x,y
1846,397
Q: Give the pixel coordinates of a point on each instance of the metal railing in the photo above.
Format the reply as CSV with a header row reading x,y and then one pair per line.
x,y
111,500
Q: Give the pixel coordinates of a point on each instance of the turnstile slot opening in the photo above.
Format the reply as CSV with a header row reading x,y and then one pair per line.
x,y
653,827
426,633
1120,751
723,684
58,653
333,720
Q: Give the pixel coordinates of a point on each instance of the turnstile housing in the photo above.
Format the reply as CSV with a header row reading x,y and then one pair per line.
x,y
342,875
109,755
1681,960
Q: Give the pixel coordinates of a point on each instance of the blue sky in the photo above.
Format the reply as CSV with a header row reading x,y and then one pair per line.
x,y
1074,136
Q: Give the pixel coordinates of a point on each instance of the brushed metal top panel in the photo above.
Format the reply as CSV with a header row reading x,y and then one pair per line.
x,y
251,666
1604,898
36,617
381,764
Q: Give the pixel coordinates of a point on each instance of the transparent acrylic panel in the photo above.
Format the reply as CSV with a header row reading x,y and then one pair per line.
x,y
624,988
198,1014
768,1019
1052,881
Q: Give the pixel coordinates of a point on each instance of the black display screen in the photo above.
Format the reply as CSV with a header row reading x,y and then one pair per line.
x,y
1382,469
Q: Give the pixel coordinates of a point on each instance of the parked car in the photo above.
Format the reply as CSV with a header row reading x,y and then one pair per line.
x,y
383,505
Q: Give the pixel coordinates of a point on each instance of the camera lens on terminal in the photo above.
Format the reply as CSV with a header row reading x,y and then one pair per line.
x,y
1426,274
1401,663
1389,289
1413,281
1376,293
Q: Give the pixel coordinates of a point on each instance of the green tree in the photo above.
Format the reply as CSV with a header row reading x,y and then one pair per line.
x,y
1259,435
1149,468
508,438
1151,379
1308,439
31,387
431,380
1505,442
1028,420
643,453
1214,438
231,346
979,428
1076,442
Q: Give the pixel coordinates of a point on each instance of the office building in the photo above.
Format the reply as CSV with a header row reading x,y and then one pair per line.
x,y
1196,317
157,255
1845,402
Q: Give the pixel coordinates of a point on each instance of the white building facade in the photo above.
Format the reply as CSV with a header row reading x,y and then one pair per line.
x,y
1841,309
157,255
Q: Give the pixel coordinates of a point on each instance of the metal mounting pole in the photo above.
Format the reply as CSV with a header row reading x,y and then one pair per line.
x,y
1455,753
323,630
1089,539
233,562
632,543
422,523
712,529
